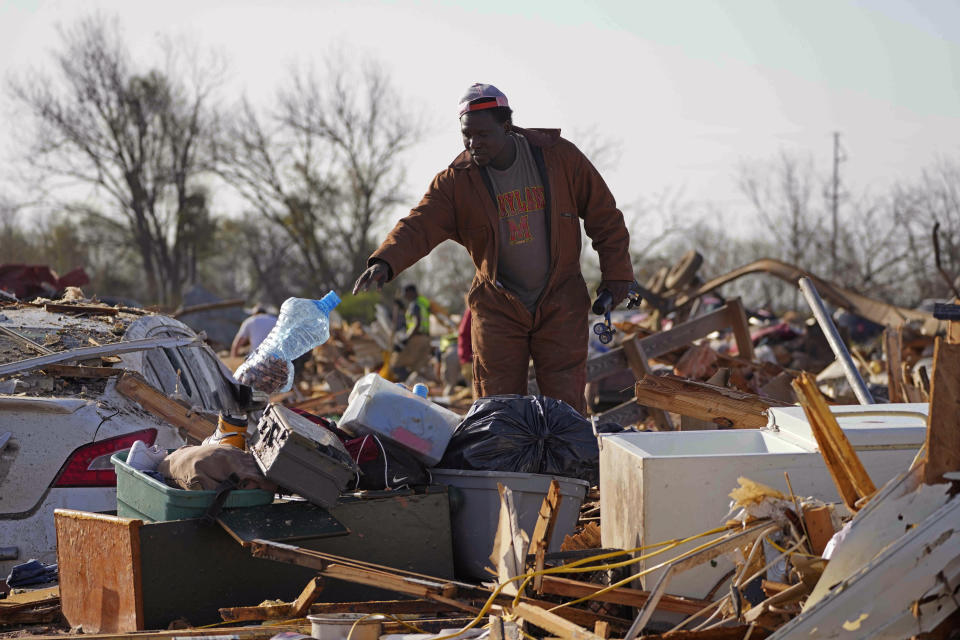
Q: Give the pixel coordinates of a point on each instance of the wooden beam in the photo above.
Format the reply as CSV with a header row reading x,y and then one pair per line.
x,y
543,530
943,423
853,482
297,609
133,386
71,371
953,332
737,318
819,527
893,349
256,613
24,340
663,342
393,607
96,309
637,358
455,594
628,597
720,405
683,334
306,598
553,623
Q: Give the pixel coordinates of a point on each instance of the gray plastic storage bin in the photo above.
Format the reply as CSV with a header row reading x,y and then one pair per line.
x,y
474,523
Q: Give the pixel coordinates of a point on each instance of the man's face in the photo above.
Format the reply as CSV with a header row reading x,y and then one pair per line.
x,y
483,136
410,295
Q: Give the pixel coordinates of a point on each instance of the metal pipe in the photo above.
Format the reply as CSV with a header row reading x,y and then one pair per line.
x,y
839,348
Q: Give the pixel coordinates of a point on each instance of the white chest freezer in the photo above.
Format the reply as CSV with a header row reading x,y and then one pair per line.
x,y
658,486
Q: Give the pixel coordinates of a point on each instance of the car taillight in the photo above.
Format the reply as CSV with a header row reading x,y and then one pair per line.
x,y
89,465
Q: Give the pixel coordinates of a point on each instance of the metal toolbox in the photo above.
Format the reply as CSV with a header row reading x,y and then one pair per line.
x,y
302,456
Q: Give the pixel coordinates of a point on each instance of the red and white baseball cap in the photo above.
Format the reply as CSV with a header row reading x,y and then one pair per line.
x,y
482,96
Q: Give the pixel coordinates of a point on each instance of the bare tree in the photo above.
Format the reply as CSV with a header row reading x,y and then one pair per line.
x,y
137,136
780,194
254,260
326,165
917,207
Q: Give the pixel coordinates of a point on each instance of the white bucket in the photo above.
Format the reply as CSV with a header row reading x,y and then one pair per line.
x,y
336,626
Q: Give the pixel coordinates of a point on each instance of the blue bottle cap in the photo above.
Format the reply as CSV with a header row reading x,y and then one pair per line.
x,y
328,302
420,389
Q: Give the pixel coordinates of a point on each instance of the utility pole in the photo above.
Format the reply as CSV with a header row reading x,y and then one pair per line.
x,y
836,201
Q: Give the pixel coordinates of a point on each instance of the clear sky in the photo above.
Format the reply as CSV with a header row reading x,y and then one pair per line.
x,y
690,89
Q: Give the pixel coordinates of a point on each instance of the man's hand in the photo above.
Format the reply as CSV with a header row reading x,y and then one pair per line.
x,y
377,273
617,288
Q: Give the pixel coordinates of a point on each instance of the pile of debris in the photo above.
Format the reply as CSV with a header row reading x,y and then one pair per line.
x,y
507,516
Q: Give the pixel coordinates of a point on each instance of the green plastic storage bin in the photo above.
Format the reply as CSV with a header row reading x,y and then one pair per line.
x,y
142,497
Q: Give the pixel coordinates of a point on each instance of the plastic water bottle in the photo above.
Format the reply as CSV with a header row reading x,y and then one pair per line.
x,y
420,389
303,324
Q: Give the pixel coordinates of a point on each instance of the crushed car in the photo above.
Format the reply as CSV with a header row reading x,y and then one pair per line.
x,y
61,422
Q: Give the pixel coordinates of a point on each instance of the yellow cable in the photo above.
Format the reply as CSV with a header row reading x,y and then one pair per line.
x,y
566,569
573,568
782,550
631,578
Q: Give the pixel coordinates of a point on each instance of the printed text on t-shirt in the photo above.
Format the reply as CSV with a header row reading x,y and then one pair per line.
x,y
513,203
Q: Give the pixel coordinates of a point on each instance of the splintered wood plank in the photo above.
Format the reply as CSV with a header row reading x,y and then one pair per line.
x,y
71,371
720,405
94,309
394,607
819,527
893,349
568,588
737,317
543,530
910,392
943,424
510,542
553,623
851,478
306,598
133,386
637,358
953,328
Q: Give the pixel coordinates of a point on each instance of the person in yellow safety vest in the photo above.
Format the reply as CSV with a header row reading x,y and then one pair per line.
x,y
415,354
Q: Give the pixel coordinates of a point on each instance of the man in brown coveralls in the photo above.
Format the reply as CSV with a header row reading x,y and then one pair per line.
x,y
514,199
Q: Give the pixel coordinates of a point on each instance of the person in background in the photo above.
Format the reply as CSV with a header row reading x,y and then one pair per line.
x,y
415,353
448,362
253,331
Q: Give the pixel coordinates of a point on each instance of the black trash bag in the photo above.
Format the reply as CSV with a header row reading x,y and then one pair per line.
x,y
526,434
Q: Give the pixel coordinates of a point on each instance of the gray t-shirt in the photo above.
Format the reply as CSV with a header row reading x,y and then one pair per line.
x,y
524,261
